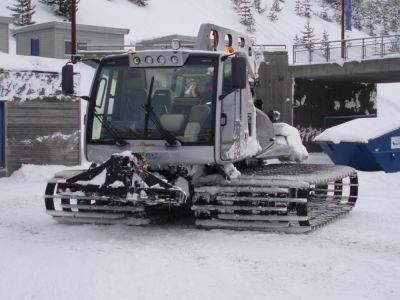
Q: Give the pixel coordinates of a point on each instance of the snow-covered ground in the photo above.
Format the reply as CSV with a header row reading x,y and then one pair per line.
x,y
356,257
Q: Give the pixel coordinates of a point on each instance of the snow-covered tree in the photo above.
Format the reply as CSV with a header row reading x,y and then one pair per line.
x,y
298,8
308,35
394,44
272,15
258,7
306,4
22,12
61,7
324,14
296,40
325,44
140,2
245,15
276,6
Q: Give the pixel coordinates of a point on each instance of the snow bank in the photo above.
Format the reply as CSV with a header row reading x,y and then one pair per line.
x,y
46,79
298,152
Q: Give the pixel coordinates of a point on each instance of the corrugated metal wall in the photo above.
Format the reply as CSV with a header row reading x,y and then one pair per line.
x,y
275,88
43,131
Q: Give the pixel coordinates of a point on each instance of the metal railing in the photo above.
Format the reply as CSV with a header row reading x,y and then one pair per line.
x,y
270,47
347,50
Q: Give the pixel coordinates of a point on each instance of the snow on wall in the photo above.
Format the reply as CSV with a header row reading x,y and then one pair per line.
x,y
30,85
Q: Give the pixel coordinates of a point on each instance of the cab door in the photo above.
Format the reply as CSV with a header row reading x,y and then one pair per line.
x,y
231,114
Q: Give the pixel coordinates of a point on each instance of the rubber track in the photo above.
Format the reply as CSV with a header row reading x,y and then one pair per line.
x,y
311,196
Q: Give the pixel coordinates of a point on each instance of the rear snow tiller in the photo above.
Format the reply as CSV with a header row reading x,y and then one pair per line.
x,y
117,191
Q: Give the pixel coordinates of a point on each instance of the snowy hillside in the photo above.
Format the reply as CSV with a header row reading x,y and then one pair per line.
x,y
163,17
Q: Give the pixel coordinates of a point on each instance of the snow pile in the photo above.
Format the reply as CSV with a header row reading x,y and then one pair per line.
x,y
298,152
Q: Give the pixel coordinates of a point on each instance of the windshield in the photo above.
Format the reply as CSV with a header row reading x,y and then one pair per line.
x,y
180,99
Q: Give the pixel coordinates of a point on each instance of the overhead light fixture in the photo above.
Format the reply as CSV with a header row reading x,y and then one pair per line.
x,y
175,44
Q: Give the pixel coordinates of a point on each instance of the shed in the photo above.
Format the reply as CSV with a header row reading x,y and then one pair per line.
x,y
53,39
38,125
5,34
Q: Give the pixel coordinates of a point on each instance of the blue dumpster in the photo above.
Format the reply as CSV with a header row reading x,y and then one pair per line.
x,y
377,153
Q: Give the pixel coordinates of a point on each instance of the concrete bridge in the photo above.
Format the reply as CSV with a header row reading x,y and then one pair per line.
x,y
382,70
320,88
371,59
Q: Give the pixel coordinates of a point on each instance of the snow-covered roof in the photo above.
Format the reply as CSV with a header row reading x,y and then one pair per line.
x,y
359,130
67,26
12,62
9,62
5,20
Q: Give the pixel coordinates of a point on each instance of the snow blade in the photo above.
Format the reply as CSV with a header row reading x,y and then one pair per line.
x,y
120,190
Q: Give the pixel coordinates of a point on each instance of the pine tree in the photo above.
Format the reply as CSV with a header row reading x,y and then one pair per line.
x,y
308,35
306,8
394,44
272,16
245,15
276,6
298,8
383,15
23,12
369,17
296,40
257,5
325,44
61,7
140,3
324,13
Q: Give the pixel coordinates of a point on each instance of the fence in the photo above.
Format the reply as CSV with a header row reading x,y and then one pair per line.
x,y
351,49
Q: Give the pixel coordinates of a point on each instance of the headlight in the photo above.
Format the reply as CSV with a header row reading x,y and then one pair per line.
x,y
161,60
136,60
174,59
148,60
175,44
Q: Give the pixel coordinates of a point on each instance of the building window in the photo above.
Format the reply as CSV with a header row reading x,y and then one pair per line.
x,y
79,46
35,47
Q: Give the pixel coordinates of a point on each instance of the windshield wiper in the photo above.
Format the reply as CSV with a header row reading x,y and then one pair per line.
x,y
150,114
119,141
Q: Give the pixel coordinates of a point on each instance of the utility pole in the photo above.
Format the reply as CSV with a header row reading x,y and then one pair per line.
x,y
343,30
73,32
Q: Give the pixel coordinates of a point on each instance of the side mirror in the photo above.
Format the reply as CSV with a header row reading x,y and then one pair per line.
x,y
239,72
67,80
